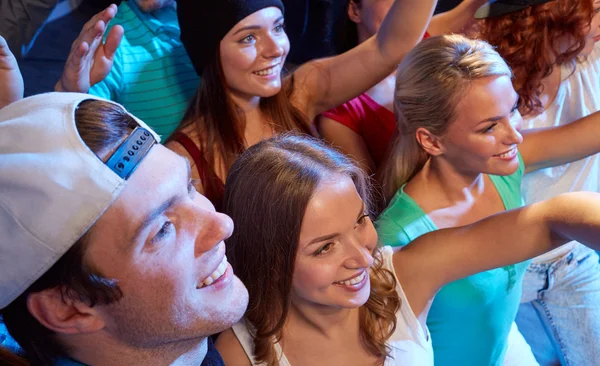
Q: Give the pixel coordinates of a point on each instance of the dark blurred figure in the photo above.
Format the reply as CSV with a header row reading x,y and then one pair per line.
x,y
42,65
98,5
445,5
316,27
21,21
312,26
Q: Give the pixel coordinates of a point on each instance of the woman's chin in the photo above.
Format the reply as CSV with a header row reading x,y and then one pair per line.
x,y
269,92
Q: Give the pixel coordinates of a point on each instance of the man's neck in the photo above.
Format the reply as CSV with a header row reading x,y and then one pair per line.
x,y
103,352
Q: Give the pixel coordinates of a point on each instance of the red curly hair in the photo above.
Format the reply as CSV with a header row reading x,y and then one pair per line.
x,y
527,40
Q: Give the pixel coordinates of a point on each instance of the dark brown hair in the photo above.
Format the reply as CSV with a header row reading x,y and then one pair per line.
x,y
220,124
349,37
529,42
102,126
267,192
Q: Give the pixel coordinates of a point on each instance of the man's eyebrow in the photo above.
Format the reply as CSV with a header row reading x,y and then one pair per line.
x,y
163,207
153,215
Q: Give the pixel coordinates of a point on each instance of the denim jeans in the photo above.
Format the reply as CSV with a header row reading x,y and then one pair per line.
x,y
560,311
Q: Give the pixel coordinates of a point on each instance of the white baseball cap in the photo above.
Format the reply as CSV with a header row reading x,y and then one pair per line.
x,y
53,188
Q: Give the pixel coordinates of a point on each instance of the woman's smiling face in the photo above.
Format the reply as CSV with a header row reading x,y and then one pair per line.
x,y
253,53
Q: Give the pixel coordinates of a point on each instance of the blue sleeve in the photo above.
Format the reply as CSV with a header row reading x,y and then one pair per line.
x,y
6,340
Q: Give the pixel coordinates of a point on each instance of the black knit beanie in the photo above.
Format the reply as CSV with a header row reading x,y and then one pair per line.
x,y
204,23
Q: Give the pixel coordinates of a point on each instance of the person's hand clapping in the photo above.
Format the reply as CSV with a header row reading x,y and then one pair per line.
x,y
91,59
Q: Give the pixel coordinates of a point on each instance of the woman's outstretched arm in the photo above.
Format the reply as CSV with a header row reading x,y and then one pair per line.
x,y
446,255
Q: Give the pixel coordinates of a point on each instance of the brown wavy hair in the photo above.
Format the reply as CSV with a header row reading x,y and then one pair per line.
x,y
528,41
268,189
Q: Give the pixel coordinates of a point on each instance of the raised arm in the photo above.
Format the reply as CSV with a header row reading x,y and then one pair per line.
x,y
11,80
91,59
348,141
458,20
542,148
323,84
443,256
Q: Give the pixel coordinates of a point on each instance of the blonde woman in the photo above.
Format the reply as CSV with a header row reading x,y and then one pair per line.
x,y
456,161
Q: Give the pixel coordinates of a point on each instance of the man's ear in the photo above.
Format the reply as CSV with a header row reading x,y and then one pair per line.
x,y
62,314
431,143
353,12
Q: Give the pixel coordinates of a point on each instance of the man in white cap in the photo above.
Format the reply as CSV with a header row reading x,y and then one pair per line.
x,y
108,254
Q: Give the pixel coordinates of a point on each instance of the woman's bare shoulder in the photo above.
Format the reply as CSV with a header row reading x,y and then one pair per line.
x,y
231,349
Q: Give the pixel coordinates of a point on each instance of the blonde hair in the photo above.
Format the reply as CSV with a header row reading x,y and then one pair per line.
x,y
430,82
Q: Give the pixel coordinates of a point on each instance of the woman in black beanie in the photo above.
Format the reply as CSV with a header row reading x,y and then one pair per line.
x,y
239,47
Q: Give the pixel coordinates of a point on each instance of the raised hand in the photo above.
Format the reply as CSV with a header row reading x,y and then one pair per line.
x,y
11,81
91,59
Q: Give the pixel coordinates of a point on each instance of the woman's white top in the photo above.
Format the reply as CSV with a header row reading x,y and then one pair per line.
x,y
518,352
410,344
578,96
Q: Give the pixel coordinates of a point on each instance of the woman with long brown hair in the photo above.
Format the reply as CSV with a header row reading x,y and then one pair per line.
x,y
552,49
320,290
239,49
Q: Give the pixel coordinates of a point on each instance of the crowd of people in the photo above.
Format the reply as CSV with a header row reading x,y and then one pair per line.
x,y
428,196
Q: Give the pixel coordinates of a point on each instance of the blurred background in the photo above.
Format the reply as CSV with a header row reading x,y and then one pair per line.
x,y
40,32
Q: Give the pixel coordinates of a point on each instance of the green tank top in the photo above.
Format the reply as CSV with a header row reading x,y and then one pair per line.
x,y
469,319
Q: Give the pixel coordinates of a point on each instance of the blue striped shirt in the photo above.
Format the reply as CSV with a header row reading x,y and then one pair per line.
x,y
152,76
